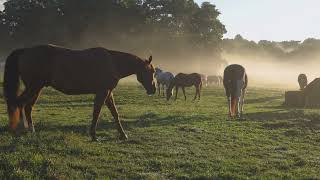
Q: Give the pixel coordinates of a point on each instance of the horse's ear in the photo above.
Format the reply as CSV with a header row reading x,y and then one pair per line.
x,y
150,59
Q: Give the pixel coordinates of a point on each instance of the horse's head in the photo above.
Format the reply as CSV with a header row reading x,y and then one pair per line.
x,y
158,70
146,76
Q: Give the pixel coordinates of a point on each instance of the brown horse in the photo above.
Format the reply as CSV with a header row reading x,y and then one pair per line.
x,y
303,81
73,72
235,82
185,80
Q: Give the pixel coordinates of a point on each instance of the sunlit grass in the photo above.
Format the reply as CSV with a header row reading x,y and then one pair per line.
x,y
178,140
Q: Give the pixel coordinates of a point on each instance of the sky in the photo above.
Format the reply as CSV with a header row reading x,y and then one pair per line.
x,y
276,20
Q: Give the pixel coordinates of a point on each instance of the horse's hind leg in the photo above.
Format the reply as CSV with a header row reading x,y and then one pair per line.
x,y
184,93
28,109
197,93
26,100
199,90
158,88
112,107
242,101
98,102
163,87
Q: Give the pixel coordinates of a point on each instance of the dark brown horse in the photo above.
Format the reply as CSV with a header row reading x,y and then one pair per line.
x,y
235,82
303,81
73,72
185,80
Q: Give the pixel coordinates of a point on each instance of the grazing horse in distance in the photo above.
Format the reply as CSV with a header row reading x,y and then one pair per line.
x,y
213,79
185,80
63,69
164,79
220,80
204,79
235,82
303,81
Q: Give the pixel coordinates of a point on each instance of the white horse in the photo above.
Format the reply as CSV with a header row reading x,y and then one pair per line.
x,y
164,79
204,79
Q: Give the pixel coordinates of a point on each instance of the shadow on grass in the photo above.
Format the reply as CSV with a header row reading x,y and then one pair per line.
x,y
144,121
262,100
282,118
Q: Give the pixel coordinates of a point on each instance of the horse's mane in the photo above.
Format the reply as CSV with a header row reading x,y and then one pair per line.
x,y
119,53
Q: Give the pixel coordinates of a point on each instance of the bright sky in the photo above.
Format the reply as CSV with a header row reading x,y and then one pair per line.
x,y
1,6
269,19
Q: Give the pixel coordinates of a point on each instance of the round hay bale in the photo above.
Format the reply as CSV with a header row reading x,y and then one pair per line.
x,y
294,99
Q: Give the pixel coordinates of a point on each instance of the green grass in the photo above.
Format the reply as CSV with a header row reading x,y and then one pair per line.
x,y
167,140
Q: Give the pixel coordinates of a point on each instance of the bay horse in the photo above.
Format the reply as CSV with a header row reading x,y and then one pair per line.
x,y
235,81
164,79
72,72
182,80
303,81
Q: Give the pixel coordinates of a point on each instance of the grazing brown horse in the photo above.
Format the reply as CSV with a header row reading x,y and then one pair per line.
x,y
235,82
185,80
303,81
73,72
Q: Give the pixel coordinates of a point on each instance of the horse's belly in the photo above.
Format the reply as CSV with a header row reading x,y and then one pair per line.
x,y
83,77
73,89
74,86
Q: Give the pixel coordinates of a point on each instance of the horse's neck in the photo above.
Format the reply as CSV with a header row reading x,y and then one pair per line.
x,y
127,66
157,74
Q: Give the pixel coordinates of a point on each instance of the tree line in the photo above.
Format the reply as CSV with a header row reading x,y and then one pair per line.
x,y
291,51
176,30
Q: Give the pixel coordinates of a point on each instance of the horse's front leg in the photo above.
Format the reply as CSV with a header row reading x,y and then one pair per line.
x,y
112,107
98,102
158,88
177,88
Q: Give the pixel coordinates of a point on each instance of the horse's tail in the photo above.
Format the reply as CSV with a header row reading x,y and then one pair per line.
x,y
11,87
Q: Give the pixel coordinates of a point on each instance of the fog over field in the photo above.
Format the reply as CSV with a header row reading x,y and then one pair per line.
x,y
268,72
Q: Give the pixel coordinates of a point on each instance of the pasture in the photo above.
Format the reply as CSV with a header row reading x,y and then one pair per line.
x,y
167,140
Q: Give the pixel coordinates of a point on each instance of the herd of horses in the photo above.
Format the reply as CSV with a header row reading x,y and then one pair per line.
x,y
62,69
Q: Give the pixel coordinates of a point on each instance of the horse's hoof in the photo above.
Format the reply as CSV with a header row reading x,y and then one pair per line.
x,y
95,139
123,137
32,130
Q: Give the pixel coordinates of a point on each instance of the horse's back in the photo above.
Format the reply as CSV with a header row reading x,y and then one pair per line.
x,y
182,79
234,79
69,71
234,72
165,78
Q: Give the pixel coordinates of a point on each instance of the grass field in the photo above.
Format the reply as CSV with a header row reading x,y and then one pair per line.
x,y
167,140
